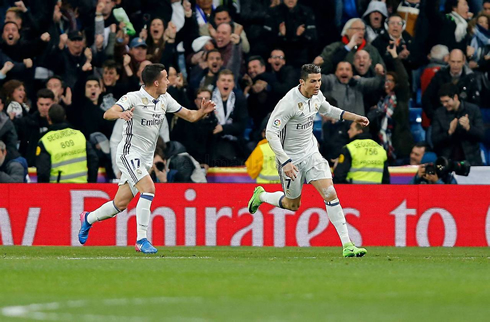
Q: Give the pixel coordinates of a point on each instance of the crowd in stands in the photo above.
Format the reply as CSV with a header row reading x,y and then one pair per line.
x,y
382,59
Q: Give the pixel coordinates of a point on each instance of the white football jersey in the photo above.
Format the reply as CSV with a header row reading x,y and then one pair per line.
x,y
140,134
290,127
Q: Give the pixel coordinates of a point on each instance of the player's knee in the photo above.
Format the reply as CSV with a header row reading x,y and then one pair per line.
x,y
121,205
149,189
329,194
293,205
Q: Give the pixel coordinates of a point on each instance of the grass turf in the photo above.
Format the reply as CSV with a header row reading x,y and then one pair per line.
x,y
244,284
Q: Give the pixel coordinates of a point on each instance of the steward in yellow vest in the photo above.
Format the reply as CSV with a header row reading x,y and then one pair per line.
x,y
63,154
261,164
362,160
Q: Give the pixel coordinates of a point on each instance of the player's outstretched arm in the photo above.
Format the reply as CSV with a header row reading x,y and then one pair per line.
x,y
116,112
364,121
207,106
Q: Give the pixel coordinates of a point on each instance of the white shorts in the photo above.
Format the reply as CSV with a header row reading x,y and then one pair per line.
x,y
311,169
133,168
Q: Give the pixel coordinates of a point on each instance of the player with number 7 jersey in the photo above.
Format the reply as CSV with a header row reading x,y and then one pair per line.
x,y
290,135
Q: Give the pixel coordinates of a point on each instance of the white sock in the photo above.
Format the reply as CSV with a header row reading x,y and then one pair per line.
x,y
272,198
143,214
107,210
337,218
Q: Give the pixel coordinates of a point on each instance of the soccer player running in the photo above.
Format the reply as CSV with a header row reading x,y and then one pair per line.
x,y
144,113
290,135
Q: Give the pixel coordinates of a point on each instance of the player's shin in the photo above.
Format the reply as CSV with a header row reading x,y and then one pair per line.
x,y
107,210
272,198
143,214
337,218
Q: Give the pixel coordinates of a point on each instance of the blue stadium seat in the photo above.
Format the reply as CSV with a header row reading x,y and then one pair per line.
x,y
317,127
418,133
248,129
485,154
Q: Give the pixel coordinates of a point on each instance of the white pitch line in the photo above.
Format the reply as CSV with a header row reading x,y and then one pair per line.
x,y
138,258
37,311
108,258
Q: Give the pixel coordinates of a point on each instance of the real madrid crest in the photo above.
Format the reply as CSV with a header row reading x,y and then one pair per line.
x,y
300,106
144,100
163,106
316,107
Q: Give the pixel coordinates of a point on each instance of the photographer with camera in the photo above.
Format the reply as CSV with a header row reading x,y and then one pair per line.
x,y
440,171
457,129
171,163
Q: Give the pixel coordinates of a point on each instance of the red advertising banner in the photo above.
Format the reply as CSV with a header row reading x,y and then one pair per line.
x,y
217,214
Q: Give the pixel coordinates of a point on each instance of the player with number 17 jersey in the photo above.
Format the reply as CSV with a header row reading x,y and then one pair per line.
x,y
140,134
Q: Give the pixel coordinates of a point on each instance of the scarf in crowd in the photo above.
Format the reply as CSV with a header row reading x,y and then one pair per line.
x,y
461,26
405,3
481,38
220,110
346,40
387,107
18,109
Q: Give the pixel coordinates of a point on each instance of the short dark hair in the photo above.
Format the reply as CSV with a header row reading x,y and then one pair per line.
x,y
58,78
212,51
423,144
45,93
57,114
151,73
308,69
448,89
10,22
394,75
203,89
257,57
364,129
111,64
92,78
450,4
221,9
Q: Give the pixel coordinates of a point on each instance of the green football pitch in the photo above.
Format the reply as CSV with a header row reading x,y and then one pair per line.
x,y
243,284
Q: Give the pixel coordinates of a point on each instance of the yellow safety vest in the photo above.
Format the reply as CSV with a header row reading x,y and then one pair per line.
x,y
268,174
68,152
261,164
368,159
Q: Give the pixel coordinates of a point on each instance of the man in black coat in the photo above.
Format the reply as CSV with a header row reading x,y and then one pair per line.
x,y
231,112
260,97
33,126
456,73
398,37
291,26
286,76
457,129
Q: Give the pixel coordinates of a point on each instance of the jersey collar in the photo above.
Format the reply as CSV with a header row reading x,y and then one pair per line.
x,y
145,93
301,96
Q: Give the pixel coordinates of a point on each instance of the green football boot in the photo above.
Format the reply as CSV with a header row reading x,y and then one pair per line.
x,y
255,202
350,250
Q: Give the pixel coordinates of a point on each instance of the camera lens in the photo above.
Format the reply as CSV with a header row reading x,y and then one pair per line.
x,y
160,166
